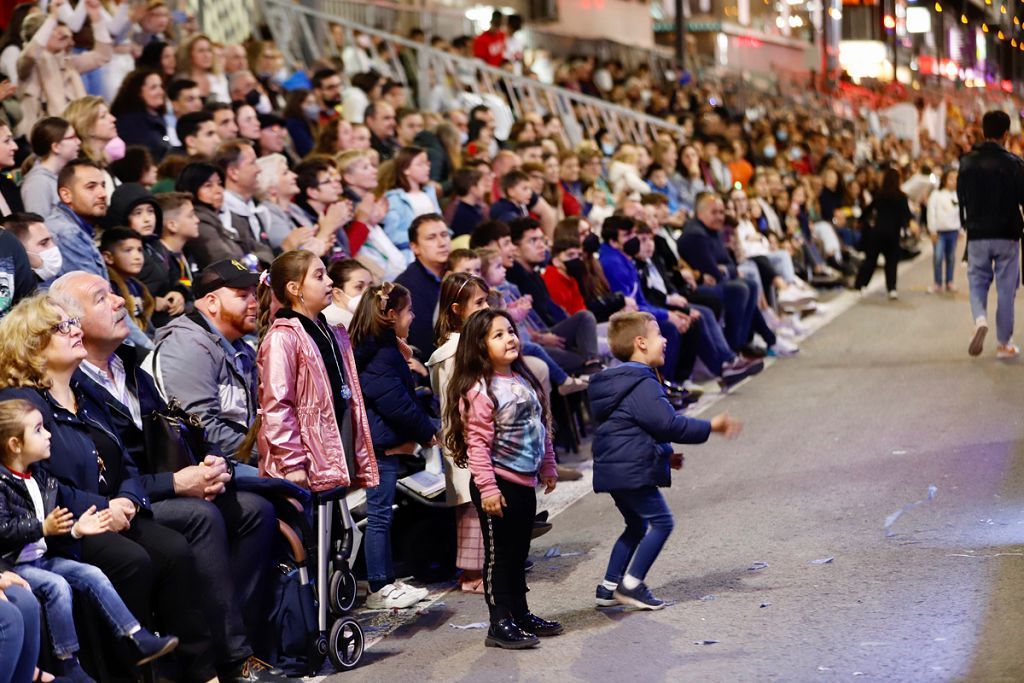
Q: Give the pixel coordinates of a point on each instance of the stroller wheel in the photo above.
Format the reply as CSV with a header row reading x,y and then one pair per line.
x,y
343,590
345,644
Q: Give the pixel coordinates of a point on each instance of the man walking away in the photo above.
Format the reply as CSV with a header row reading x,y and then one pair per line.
x,y
991,192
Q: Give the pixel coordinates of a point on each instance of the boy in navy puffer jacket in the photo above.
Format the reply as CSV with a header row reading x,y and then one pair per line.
x,y
633,454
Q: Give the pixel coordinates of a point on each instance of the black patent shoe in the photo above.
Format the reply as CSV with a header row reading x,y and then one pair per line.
x,y
507,635
531,623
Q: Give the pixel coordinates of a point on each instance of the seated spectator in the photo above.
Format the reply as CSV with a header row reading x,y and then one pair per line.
x,y
276,194
223,119
624,174
408,124
618,233
122,250
410,195
464,261
167,273
184,98
658,179
335,137
54,143
570,339
26,523
10,197
273,135
364,88
430,244
139,105
83,203
571,186
49,72
470,186
327,90
374,249
320,204
149,564
516,196
301,114
159,56
230,530
43,253
19,616
196,62
205,182
248,122
136,166
349,279
444,151
198,134
574,238
380,119
15,271
97,129
237,161
700,245
219,385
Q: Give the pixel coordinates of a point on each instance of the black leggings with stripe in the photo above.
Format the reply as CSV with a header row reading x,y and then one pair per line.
x,y
506,547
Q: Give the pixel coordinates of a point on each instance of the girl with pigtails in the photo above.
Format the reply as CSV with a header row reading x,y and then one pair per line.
x,y
312,428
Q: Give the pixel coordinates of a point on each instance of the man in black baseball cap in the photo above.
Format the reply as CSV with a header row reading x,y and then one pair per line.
x,y
227,273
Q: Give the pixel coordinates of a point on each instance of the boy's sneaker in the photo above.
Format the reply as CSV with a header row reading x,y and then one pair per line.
x,y
72,670
978,340
639,597
572,385
605,597
393,596
149,646
507,635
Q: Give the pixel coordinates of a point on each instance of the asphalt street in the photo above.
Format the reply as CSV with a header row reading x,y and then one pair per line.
x,y
780,555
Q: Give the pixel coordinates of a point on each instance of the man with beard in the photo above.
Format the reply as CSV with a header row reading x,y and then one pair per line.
x,y
201,360
327,90
83,202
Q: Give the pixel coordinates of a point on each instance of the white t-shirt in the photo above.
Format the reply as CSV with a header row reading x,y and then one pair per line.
x,y
421,203
33,551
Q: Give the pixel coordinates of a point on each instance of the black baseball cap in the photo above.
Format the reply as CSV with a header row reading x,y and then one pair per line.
x,y
271,120
227,273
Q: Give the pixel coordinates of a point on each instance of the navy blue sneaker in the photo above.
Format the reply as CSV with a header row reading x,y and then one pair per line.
x,y
605,597
639,597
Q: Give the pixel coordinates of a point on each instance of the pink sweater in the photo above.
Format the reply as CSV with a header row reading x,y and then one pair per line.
x,y
482,429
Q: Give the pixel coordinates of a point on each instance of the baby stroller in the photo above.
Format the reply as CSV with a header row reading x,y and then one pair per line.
x,y
315,587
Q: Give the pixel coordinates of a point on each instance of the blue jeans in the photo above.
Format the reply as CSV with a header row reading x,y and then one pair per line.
x,y
738,306
379,502
555,371
52,579
713,350
19,635
648,525
998,260
945,254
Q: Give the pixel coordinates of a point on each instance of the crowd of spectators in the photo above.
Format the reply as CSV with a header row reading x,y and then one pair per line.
x,y
151,175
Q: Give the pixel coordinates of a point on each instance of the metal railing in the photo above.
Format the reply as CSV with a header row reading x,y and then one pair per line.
x,y
302,34
449,23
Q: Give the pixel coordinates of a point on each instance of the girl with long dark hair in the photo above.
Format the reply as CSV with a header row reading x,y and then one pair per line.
x,y
497,423
884,221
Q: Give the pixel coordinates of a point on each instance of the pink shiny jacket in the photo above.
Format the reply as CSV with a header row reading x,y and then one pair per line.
x,y
299,429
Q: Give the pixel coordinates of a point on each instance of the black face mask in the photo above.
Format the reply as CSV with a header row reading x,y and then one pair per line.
x,y
591,244
332,104
631,247
252,98
575,268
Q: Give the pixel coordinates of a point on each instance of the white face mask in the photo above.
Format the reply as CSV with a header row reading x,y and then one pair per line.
x,y
52,263
353,303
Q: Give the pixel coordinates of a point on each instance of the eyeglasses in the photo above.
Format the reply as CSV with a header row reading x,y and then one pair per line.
x,y
64,326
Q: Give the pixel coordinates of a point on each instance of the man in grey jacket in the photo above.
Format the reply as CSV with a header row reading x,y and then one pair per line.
x,y
202,360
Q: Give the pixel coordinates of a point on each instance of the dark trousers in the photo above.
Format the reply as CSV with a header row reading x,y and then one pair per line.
x,y
153,571
876,244
739,304
580,334
231,540
19,634
648,525
506,547
680,351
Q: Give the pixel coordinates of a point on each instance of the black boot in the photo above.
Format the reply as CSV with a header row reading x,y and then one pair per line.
x,y
507,635
531,623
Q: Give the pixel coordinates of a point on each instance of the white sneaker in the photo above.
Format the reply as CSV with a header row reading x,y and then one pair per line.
x,y
793,297
572,385
412,590
783,347
391,597
893,295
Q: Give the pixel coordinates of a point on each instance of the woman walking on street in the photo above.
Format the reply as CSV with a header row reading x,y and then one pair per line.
x,y
884,220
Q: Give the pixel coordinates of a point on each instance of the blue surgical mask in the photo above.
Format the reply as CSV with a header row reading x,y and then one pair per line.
x,y
769,152
782,135
608,148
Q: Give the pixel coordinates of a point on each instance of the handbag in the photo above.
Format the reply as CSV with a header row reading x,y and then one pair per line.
x,y
173,439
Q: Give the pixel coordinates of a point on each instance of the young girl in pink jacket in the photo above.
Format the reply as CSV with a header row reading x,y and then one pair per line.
x,y
497,423
312,427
